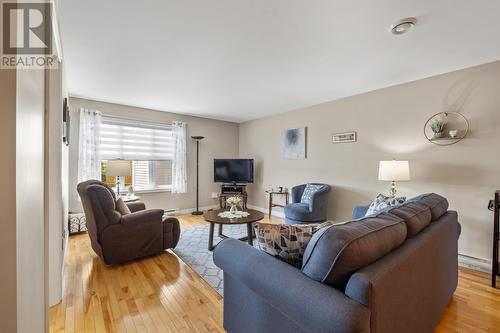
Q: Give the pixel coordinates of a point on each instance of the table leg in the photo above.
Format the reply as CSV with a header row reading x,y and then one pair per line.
x,y
250,234
211,237
270,204
220,229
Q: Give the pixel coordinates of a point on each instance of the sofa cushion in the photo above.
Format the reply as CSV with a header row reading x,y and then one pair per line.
x,y
286,242
121,207
381,202
335,252
436,203
416,216
308,192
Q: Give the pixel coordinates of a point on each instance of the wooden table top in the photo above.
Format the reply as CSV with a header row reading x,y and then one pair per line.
x,y
213,216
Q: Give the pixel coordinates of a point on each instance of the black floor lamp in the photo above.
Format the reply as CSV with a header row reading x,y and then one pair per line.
x,y
198,139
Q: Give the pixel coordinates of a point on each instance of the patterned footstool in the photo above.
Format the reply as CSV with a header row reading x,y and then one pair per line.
x,y
76,223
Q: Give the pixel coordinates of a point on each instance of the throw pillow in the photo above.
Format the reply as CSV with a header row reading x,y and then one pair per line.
x,y
122,207
286,242
382,201
308,193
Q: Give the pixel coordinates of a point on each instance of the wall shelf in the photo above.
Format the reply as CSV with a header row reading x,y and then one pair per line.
x,y
453,121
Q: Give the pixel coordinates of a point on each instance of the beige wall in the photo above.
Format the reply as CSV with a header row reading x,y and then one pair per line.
x,y
390,124
221,141
56,184
8,201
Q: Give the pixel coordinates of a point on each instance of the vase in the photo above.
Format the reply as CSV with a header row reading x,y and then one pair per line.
x,y
438,135
233,209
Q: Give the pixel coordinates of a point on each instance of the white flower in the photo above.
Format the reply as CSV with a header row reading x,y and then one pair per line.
x,y
233,201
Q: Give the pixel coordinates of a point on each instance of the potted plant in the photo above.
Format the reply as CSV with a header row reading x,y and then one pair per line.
x,y
233,202
437,128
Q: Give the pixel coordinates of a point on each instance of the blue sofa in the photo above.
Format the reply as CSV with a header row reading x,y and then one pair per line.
x,y
405,290
313,211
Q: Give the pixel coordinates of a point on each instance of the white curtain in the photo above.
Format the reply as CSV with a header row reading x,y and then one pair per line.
x,y
179,164
89,162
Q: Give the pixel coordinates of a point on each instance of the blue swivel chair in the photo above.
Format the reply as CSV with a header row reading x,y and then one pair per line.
x,y
308,207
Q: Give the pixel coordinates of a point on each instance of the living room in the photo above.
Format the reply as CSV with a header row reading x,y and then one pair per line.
x,y
253,167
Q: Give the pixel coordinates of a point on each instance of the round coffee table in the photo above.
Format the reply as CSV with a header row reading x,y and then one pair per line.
x,y
212,216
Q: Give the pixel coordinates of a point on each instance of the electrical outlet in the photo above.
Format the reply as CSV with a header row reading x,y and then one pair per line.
x,y
215,195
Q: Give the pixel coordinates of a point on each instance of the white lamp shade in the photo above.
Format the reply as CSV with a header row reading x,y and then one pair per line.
x,y
394,170
119,168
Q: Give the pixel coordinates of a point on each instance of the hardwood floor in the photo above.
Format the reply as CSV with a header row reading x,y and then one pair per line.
x,y
162,294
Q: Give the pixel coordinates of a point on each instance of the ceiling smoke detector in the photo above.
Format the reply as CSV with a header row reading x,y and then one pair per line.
x,y
403,26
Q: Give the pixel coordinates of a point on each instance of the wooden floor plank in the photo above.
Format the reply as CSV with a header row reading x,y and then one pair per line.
x,y
162,294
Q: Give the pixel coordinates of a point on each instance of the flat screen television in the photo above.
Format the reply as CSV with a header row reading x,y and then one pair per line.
x,y
233,170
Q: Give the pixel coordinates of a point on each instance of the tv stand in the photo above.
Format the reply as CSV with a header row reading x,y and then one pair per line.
x,y
231,190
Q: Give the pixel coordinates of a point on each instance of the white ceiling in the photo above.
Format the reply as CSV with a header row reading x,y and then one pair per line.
x,y
243,59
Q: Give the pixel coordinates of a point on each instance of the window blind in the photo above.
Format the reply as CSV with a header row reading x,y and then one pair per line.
x,y
134,140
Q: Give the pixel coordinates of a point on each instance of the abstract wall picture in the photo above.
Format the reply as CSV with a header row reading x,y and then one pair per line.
x,y
344,137
294,143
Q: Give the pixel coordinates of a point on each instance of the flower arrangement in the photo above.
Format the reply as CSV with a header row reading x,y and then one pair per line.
x,y
234,202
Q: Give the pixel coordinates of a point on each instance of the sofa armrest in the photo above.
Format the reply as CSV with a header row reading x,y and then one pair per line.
x,y
136,206
143,216
359,212
314,306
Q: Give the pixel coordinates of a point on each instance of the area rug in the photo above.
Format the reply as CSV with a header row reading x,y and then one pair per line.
x,y
193,250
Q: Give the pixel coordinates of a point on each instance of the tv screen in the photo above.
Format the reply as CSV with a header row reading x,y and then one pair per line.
x,y
233,170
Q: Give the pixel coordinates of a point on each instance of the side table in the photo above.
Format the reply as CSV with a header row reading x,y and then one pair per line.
x,y
130,198
271,204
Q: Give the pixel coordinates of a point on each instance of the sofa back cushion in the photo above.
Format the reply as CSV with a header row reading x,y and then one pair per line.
x,y
416,216
436,203
335,252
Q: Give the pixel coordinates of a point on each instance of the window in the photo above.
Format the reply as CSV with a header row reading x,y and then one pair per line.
x,y
148,146
151,175
146,176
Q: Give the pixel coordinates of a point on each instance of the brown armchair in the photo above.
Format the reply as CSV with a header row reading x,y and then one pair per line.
x,y
120,232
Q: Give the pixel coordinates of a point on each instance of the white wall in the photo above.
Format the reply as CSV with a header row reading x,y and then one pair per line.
x,y
30,223
390,125
56,181
56,185
221,141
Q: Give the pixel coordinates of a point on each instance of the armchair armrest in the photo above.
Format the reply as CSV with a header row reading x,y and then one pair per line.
x,y
318,200
143,216
320,308
137,235
136,206
297,192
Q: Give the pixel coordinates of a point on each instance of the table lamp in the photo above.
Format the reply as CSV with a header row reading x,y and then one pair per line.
x,y
119,168
394,171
